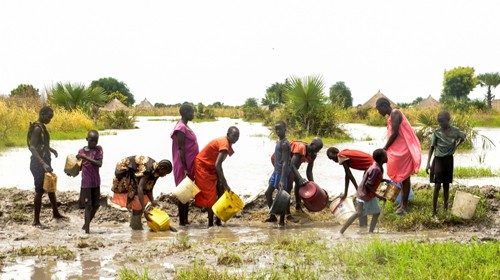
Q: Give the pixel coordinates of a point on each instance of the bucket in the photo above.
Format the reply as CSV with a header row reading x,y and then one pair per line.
x,y
72,166
227,205
315,198
464,205
50,182
342,209
186,190
158,220
280,203
388,190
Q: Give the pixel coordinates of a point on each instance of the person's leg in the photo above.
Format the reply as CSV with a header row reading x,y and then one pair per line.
x,y
298,206
220,192
435,196
136,220
210,215
53,203
363,221
87,201
373,222
183,213
38,208
446,193
96,201
404,196
269,195
359,210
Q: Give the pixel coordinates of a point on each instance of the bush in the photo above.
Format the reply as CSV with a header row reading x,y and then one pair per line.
x,y
120,119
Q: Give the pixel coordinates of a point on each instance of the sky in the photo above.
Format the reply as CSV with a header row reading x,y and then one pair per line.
x,y
228,51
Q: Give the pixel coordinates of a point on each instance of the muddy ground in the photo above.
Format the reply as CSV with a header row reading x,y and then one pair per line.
x,y
112,245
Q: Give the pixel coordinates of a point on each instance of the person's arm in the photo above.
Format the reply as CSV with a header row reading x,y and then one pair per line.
x,y
140,191
285,153
218,167
53,151
181,144
36,137
396,119
97,162
309,170
428,166
348,177
461,139
295,162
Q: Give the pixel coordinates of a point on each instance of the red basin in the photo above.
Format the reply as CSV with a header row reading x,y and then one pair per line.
x,y
314,198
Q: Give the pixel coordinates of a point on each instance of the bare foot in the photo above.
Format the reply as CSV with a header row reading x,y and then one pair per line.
x,y
39,225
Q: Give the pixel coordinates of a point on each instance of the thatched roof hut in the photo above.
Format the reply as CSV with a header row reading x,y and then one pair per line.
x,y
495,104
145,104
373,100
114,105
429,102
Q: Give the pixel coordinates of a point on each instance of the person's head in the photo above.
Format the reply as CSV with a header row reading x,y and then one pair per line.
x,y
332,153
280,129
45,114
315,146
383,106
164,167
443,119
186,111
233,134
380,156
92,138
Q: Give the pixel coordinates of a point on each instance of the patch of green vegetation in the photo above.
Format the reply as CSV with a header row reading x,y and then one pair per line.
x,y
199,271
181,243
131,274
488,120
420,212
413,260
229,259
465,172
61,252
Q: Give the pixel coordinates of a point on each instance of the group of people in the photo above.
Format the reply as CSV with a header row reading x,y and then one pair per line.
x,y
136,176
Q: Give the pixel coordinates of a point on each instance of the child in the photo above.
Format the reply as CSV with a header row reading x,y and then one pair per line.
x,y
279,178
445,141
366,201
91,156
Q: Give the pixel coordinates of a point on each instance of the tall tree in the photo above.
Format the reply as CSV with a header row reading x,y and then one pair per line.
x,y
489,80
458,83
25,90
306,99
275,95
340,95
111,85
73,96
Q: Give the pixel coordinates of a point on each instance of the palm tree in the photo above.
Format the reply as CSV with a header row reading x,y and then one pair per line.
x,y
489,80
73,96
306,98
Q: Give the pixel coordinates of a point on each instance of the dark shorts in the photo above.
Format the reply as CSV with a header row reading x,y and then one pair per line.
x,y
38,174
90,196
442,170
275,180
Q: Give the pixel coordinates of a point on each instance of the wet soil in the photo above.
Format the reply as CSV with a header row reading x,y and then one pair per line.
x,y
112,245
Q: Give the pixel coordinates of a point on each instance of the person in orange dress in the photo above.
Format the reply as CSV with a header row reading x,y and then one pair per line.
x,y
208,172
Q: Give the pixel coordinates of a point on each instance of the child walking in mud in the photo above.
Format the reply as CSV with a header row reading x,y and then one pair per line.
x,y
90,192
279,178
367,198
444,143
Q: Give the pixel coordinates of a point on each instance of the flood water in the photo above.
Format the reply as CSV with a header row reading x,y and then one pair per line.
x,y
247,171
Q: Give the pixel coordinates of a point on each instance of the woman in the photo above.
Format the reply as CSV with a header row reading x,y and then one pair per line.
x,y
135,178
184,151
403,149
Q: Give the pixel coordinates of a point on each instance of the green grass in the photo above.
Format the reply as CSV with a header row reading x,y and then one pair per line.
x,y
61,252
466,172
420,212
413,260
131,274
488,120
230,259
199,271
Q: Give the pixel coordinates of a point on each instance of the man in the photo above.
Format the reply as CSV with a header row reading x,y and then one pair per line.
x,y
39,145
208,172
303,152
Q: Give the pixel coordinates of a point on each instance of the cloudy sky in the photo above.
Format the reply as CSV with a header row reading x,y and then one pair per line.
x,y
228,51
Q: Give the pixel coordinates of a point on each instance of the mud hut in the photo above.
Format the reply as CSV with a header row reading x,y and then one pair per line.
x,y
429,102
145,104
114,105
372,101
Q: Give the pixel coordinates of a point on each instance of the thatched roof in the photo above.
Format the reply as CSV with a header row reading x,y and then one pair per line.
x,y
429,102
372,101
114,105
495,104
145,104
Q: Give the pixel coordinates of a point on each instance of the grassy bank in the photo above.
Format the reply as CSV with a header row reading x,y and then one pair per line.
x,y
310,257
466,172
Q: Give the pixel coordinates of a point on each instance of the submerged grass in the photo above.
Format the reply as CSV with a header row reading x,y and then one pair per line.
x,y
131,274
61,252
420,213
413,260
466,172
230,259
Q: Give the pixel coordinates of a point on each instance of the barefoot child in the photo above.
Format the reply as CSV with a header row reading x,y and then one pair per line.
x,y
367,198
445,141
279,178
91,156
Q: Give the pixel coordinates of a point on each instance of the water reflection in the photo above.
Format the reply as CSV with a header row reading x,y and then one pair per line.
x,y
247,170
